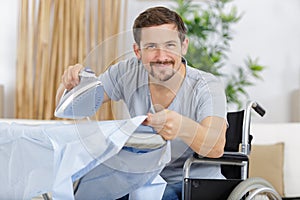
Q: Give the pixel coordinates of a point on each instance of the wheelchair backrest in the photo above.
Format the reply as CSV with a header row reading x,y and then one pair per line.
x,y
234,133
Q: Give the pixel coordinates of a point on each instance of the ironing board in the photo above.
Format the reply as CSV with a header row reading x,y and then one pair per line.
x,y
36,159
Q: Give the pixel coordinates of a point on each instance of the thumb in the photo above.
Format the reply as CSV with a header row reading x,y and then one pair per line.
x,y
148,120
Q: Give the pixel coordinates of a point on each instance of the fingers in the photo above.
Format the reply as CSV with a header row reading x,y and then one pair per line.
x,y
150,121
147,121
157,118
70,77
163,123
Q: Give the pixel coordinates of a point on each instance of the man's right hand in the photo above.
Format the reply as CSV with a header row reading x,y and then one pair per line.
x,y
69,79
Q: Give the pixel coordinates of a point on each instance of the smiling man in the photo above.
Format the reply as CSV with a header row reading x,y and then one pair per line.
x,y
184,105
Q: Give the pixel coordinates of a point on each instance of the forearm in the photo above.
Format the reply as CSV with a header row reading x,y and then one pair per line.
x,y
206,138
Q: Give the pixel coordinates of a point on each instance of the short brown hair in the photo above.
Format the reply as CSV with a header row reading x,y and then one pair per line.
x,y
157,16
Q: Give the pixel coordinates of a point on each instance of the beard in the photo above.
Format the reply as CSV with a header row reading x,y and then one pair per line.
x,y
163,73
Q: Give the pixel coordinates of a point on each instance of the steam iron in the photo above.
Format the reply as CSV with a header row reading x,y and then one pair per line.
x,y
83,100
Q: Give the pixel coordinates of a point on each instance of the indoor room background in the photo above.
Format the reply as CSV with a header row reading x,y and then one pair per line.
x,y
268,30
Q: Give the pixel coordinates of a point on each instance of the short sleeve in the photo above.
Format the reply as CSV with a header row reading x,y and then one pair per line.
x,y
211,99
112,82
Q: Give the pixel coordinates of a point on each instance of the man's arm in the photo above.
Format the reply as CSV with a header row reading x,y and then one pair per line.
x,y
206,138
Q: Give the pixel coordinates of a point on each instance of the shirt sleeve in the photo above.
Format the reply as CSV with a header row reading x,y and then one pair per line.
x,y
112,82
212,99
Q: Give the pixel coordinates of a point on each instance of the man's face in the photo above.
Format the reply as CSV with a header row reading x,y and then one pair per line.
x,y
160,50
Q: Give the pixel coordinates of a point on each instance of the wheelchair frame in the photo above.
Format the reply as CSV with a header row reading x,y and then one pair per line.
x,y
239,158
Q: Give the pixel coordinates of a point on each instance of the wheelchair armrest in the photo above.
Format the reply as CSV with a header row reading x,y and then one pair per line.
x,y
228,158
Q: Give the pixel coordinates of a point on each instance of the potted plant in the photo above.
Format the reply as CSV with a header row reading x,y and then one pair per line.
x,y
210,31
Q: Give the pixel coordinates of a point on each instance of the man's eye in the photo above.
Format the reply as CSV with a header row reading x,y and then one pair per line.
x,y
171,45
152,46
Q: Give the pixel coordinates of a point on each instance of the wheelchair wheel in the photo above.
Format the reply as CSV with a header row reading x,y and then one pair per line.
x,y
252,188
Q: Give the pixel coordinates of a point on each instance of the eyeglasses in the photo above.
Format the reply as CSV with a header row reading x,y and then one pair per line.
x,y
167,46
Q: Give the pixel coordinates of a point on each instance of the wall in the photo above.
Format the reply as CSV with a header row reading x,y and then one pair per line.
x,y
269,30
8,52
288,133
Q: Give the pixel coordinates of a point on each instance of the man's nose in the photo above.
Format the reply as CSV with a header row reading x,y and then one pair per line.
x,y
161,52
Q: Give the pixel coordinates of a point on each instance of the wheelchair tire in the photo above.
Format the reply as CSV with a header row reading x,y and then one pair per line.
x,y
252,184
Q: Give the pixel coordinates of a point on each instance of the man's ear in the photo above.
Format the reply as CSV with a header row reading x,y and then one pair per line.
x,y
137,51
184,46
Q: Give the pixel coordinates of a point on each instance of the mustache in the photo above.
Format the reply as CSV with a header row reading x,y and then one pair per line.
x,y
162,62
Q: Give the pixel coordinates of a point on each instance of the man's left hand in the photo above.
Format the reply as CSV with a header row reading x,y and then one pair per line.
x,y
166,122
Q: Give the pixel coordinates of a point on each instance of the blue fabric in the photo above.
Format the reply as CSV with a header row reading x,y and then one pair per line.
x,y
173,191
123,173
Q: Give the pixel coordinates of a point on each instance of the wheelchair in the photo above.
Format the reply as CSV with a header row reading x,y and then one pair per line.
x,y
234,165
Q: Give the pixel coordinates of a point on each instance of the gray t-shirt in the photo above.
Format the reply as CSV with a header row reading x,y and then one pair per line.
x,y
200,95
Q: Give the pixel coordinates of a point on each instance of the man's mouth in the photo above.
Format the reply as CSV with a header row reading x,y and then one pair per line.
x,y
162,63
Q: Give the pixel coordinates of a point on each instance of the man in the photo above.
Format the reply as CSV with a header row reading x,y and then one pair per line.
x,y
184,105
